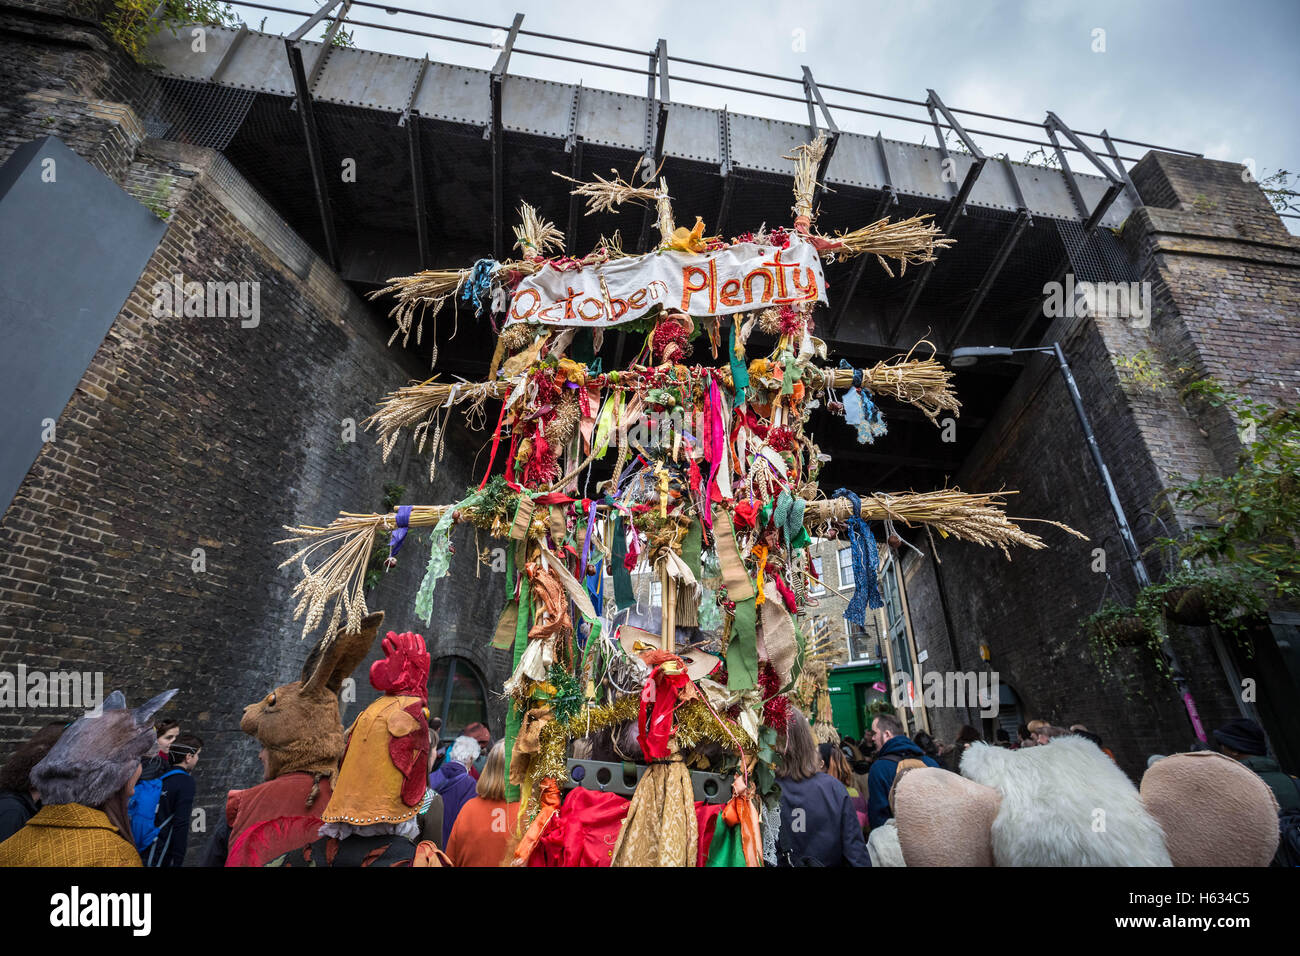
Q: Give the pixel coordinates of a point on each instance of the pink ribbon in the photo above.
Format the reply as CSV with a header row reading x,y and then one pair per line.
x,y
715,445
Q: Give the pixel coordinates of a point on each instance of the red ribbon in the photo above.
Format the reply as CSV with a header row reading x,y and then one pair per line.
x,y
550,806
496,441
744,515
660,691
786,594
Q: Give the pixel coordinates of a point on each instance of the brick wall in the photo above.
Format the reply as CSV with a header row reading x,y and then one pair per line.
x,y
193,433
1225,290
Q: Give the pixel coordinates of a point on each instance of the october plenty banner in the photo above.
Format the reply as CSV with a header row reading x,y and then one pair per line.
x,y
740,278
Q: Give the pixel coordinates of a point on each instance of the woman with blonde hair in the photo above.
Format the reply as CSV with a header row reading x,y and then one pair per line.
x,y
483,825
836,765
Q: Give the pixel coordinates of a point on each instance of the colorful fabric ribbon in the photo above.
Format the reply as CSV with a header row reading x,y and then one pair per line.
x,y
760,563
478,285
739,371
624,595
550,806
513,716
403,521
659,696
788,515
715,445
439,562
866,586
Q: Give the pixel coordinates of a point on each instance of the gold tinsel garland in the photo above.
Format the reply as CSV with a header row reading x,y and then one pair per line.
x,y
694,724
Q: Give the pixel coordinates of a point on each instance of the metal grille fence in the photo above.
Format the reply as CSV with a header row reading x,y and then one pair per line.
x,y
197,113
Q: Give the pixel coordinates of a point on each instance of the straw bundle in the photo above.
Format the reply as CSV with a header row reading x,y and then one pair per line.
x,y
910,241
534,236
606,195
350,539
924,383
415,405
978,518
340,578
416,295
664,211
807,160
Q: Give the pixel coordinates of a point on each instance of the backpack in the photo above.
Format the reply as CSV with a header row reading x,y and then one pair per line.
x,y
142,811
785,853
1288,847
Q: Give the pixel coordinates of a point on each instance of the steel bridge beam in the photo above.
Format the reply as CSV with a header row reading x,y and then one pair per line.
x,y
657,114
956,208
328,42
887,199
411,121
1129,188
812,94
314,158
1023,219
497,137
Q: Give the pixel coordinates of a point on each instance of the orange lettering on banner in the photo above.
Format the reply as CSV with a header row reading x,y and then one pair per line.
x,y
730,293
749,285
780,268
808,288
689,288
514,308
725,292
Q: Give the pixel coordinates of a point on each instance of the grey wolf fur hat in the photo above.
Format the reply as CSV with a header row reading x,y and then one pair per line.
x,y
97,755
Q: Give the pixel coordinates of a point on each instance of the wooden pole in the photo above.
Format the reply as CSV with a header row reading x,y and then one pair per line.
x,y
668,612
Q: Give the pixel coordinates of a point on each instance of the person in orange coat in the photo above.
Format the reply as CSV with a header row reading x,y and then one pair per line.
x,y
484,823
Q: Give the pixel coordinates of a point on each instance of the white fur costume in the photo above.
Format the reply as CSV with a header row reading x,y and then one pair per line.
x,y
1065,804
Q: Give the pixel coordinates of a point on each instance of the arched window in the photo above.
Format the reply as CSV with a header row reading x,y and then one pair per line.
x,y
457,694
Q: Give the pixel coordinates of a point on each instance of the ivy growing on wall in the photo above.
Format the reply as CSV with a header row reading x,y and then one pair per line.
x,y
132,24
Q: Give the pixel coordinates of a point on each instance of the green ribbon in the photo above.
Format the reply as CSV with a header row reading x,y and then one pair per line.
x,y
791,373
691,545
514,719
508,622
624,596
739,372
727,846
742,650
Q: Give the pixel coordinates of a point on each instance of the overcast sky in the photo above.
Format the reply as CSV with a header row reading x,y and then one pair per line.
x,y
1221,79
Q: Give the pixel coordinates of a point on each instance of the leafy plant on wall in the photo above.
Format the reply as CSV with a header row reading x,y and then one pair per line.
x,y
375,569
1232,567
132,23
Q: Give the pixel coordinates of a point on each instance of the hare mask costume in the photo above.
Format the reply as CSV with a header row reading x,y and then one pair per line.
x,y
299,728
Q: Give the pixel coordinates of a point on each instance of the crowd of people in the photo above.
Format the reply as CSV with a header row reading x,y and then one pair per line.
x,y
119,790
835,797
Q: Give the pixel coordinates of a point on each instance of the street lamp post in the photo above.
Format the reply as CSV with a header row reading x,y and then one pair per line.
x,y
970,356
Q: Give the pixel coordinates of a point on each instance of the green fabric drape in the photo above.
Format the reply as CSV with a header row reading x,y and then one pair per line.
x,y
513,717
726,848
624,596
742,650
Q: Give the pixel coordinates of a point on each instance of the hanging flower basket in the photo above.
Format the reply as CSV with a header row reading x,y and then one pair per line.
x,y
1118,626
1187,606
1129,631
1199,597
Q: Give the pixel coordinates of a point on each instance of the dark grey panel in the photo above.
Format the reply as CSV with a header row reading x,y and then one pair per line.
x,y
72,251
